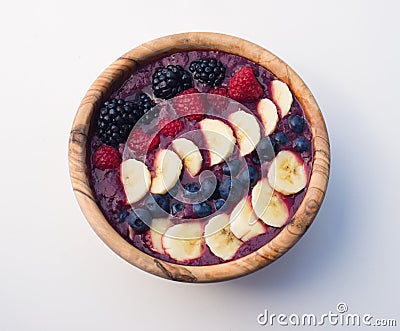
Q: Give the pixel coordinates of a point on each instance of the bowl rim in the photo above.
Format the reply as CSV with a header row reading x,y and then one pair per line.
x,y
112,78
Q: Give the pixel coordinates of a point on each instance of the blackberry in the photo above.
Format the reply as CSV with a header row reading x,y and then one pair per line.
x,y
170,81
116,120
144,105
208,71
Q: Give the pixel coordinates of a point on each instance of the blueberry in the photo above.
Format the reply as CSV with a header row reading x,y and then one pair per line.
x,y
157,205
219,203
301,144
202,209
265,149
281,138
296,123
191,190
123,215
232,188
176,207
208,187
139,220
232,168
249,176
255,158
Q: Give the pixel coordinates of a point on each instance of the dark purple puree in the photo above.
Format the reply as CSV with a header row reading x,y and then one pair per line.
x,y
108,187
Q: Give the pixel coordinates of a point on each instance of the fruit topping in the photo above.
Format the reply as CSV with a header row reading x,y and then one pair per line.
x,y
249,176
231,188
287,174
166,171
219,237
219,139
202,209
158,227
208,71
189,104
116,121
140,142
157,205
184,242
246,129
244,223
189,154
296,123
268,115
168,82
139,220
282,96
106,157
170,128
244,86
136,179
301,144
265,149
144,105
268,205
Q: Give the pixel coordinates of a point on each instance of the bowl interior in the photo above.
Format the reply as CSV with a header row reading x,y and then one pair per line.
x,y
115,75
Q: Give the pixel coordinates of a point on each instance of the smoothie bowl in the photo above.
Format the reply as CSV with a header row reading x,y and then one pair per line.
x,y
199,157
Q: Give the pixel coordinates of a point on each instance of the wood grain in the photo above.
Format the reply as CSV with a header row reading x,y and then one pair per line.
x,y
116,74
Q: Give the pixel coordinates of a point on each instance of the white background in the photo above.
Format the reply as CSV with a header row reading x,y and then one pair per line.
x,y
56,274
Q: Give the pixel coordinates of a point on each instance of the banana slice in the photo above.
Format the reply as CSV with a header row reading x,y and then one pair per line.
x,y
220,239
184,242
189,153
136,179
282,96
268,113
246,129
167,169
268,205
158,227
244,223
219,139
287,174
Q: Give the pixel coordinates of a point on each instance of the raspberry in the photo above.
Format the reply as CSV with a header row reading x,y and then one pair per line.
x,y
170,128
244,86
139,142
106,157
189,104
218,104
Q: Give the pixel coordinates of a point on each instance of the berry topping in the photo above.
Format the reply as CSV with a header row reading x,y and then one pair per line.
x,y
232,188
208,71
157,205
219,203
189,104
244,86
176,208
191,190
170,128
139,142
117,118
170,81
301,144
202,209
296,123
219,91
144,105
106,157
232,168
249,176
139,220
208,187
265,149
281,138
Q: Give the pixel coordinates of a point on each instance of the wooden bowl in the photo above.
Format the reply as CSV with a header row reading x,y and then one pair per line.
x,y
115,75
